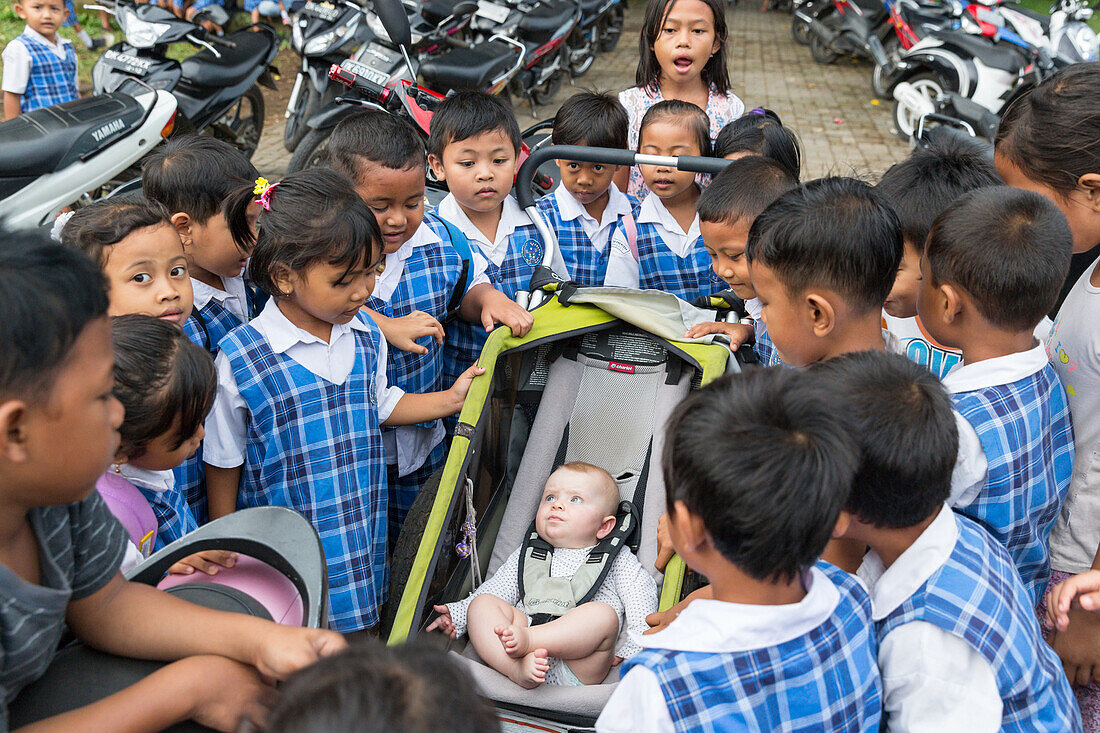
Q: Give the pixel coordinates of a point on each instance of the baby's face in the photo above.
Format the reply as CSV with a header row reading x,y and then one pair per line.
x,y
573,510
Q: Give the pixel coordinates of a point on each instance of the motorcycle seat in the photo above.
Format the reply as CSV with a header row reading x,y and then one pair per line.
x,y
1003,56
203,69
589,7
467,68
48,139
539,24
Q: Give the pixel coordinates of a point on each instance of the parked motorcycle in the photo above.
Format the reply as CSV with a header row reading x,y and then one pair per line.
x,y
599,30
911,20
217,89
857,27
52,157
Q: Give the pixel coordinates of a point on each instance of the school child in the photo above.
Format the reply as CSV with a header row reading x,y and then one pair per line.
x,y
757,470
61,548
993,265
727,209
353,691
586,206
90,43
918,189
302,389
760,132
267,9
822,259
139,253
474,146
192,176
1049,142
39,64
430,274
668,254
522,634
959,644
682,56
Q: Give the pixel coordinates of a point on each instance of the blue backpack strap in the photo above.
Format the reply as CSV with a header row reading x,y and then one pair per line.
x,y
462,246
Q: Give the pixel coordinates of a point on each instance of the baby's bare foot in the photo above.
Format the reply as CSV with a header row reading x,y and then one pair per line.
x,y
516,640
530,671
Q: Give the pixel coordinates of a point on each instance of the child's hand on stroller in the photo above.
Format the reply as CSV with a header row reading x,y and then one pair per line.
x,y
1081,590
498,308
443,622
461,387
402,333
207,561
283,650
661,619
738,333
665,550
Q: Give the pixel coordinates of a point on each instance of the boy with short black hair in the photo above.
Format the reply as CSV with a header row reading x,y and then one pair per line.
x,y
918,189
430,275
959,644
727,208
994,264
192,176
757,470
587,205
474,145
823,258
61,548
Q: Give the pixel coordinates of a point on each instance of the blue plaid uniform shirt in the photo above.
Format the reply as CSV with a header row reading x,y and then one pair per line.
x,y
52,80
1027,437
764,346
826,680
977,596
316,447
206,327
586,264
174,517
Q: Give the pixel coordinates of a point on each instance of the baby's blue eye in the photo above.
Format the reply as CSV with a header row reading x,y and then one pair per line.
x,y
550,497
576,500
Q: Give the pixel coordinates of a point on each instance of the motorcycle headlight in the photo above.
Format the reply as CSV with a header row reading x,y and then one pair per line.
x,y
1084,40
317,45
140,33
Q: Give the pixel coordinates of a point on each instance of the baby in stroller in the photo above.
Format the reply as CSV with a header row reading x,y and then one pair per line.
x,y
553,611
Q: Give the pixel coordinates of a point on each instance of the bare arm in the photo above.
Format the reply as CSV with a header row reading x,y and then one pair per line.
x,y
13,105
416,408
486,305
222,485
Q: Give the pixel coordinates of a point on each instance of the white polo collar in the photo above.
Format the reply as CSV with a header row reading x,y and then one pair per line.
x,y
232,296
617,205
511,218
281,334
158,481
61,40
998,370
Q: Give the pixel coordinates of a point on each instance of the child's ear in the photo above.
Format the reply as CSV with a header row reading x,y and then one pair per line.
x,y
182,222
951,302
606,526
686,529
1090,183
436,164
13,431
843,522
283,279
822,315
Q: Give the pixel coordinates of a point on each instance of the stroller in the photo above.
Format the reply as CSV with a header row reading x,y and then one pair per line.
x,y
594,380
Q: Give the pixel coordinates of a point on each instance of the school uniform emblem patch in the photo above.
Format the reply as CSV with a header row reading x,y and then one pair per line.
x,y
532,252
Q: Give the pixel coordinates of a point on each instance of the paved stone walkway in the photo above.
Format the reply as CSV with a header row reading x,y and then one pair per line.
x,y
842,129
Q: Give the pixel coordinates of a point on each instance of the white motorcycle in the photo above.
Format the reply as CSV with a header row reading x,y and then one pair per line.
x,y
56,157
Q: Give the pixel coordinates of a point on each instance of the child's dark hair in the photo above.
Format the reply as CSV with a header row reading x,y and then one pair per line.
x,y
1052,134
921,186
904,423
48,294
164,381
1008,249
467,114
764,459
687,114
313,216
372,687
195,174
648,75
743,190
100,225
832,232
759,133
376,137
592,119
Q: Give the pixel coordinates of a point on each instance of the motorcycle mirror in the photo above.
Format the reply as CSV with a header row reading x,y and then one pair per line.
x,y
395,21
464,8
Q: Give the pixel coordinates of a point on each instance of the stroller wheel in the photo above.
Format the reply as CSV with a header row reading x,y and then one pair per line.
x,y
408,542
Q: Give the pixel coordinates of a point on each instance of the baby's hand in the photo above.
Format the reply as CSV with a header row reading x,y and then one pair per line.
x,y
738,333
444,622
208,561
403,332
665,551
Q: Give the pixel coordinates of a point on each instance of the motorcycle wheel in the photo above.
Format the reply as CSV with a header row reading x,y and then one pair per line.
x,y
239,129
310,152
822,53
580,61
892,47
543,94
800,32
296,127
930,86
611,28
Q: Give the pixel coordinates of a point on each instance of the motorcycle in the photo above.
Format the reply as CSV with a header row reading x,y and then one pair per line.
x,y
800,21
599,30
1064,34
857,27
912,20
52,157
217,91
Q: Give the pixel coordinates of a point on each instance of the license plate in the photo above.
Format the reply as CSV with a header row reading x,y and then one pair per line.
x,y
324,11
493,11
126,62
380,78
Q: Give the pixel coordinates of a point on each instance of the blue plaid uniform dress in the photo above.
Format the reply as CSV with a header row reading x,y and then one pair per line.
x,y
1027,438
764,346
174,517
587,265
659,268
826,680
52,80
206,327
430,275
976,596
465,339
316,447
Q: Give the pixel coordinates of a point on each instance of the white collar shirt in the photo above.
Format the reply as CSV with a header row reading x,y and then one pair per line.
x,y
158,481
511,218
232,295
385,285
653,211
598,232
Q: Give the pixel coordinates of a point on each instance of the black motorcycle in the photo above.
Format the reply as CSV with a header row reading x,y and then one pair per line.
x,y
217,88
856,27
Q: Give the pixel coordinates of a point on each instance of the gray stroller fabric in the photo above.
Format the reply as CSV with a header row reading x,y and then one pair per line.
x,y
611,417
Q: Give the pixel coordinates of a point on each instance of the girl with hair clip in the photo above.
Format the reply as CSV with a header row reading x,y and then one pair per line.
x,y
302,388
1049,142
760,132
682,55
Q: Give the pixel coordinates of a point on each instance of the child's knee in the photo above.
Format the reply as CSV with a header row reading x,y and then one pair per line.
x,y
604,617
486,603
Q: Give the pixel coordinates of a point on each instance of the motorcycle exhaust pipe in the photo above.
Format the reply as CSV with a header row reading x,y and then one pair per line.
x,y
818,28
909,97
878,53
